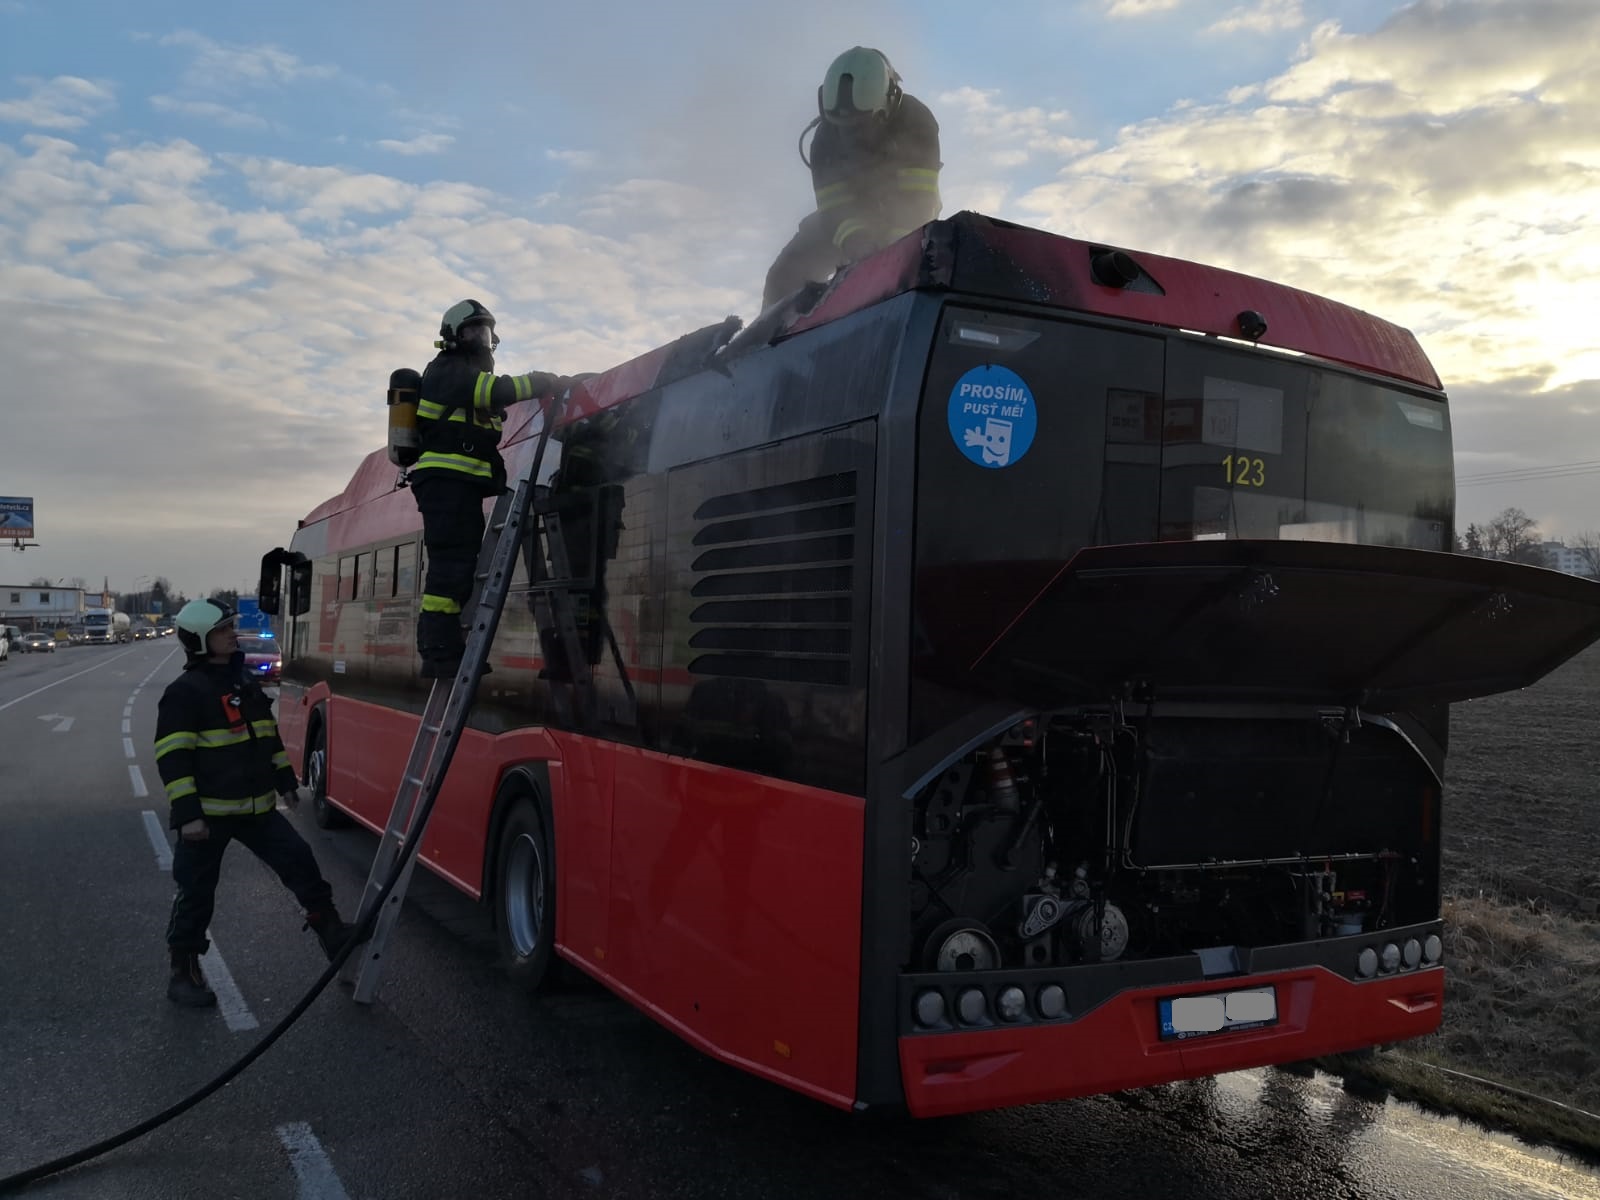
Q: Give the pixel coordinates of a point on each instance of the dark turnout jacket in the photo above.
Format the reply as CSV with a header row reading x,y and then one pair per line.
x,y
880,182
459,417
217,745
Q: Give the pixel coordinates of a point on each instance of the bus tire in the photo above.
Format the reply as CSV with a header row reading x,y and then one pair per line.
x,y
525,896
322,811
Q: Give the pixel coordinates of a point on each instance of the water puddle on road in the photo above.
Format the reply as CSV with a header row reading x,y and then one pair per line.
x,y
1397,1149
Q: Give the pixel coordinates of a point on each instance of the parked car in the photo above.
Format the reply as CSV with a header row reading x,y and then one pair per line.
x,y
262,658
37,643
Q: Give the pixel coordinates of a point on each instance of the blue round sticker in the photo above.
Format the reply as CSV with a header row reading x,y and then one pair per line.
x,y
992,416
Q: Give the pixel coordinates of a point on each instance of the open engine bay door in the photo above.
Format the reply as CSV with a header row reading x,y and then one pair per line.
x,y
1372,627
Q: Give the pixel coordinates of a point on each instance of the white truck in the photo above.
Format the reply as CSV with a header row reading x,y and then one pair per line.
x,y
101,626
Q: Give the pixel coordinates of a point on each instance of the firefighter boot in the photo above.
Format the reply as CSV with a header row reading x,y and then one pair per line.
x,y
440,644
188,986
331,929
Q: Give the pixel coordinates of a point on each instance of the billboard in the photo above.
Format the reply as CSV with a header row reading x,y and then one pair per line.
x,y
16,516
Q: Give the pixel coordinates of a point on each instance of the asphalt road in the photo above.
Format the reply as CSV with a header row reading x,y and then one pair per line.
x,y
454,1085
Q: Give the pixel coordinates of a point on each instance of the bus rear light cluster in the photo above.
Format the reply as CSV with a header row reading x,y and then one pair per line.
x,y
1407,956
1008,1004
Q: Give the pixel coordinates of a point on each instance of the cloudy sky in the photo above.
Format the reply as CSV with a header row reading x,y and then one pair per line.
x,y
223,225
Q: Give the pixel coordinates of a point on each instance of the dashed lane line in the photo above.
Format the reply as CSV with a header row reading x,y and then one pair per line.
x,y
313,1172
127,748
236,1014
136,779
158,839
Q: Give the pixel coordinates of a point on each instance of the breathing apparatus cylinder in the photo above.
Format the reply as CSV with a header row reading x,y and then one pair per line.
x,y
404,446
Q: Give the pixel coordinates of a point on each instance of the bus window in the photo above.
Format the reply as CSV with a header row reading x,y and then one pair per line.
x,y
347,578
383,572
405,569
363,576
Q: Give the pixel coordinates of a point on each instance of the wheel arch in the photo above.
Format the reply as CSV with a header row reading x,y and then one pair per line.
x,y
528,780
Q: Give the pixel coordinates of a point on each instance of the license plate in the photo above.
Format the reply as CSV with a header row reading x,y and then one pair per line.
x,y
1217,1012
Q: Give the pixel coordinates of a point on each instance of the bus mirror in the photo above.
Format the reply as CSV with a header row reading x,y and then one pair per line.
x,y
269,587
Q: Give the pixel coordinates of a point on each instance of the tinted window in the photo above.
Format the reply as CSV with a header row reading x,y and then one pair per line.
x,y
1261,447
405,569
383,573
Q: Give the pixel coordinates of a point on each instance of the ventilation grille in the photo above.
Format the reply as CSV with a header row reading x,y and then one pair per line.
x,y
773,582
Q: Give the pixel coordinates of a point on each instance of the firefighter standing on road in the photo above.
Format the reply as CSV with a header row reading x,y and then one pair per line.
x,y
223,766
874,167
459,413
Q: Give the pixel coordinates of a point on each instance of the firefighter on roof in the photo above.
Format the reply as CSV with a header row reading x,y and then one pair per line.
x,y
223,767
874,167
459,414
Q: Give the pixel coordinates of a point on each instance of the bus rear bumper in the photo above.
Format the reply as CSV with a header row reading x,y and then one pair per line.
x,y
1119,1044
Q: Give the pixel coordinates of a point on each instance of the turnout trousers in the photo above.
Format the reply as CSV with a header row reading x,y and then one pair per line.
x,y
196,867
452,530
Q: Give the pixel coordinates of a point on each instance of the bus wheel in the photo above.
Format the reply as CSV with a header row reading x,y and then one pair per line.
x,y
325,814
525,897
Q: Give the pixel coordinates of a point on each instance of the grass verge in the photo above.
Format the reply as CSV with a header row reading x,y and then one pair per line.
x,y
1522,1008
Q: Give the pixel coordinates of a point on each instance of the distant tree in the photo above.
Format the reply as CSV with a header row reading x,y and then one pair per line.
x,y
1472,541
1514,536
228,596
78,581
1587,544
41,581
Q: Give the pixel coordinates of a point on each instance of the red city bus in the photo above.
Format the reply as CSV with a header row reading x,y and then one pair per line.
x,y
1018,670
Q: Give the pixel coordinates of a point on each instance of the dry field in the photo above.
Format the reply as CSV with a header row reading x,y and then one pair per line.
x,y
1522,889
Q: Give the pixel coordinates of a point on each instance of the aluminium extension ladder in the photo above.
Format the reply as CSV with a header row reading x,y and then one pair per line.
x,y
450,699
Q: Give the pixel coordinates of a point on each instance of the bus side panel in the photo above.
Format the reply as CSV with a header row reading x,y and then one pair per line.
x,y
580,802
735,916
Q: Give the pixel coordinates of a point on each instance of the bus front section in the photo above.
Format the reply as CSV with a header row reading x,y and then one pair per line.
x,y
1184,632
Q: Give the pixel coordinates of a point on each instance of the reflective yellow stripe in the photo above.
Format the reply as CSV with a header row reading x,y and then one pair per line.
x,y
523,386
280,759
454,462
268,728
481,390
431,409
833,196
212,739
175,741
918,179
213,807
439,604
846,228
179,788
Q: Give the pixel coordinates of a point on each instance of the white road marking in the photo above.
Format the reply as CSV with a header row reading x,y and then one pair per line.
x,y
137,779
59,682
313,1173
128,712
127,748
127,725
158,839
230,1001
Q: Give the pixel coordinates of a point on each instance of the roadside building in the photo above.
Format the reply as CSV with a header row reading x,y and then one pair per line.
x,y
1561,557
41,608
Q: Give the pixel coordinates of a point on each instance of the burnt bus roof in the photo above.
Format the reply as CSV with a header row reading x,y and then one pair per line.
x,y
977,256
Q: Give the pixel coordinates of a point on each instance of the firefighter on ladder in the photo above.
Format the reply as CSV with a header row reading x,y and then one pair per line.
x,y
459,418
874,168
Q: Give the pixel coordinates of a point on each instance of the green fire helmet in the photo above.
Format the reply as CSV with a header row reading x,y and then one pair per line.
x,y
459,318
198,618
860,84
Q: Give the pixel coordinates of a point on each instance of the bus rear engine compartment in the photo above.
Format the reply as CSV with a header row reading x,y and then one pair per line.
x,y
1087,837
